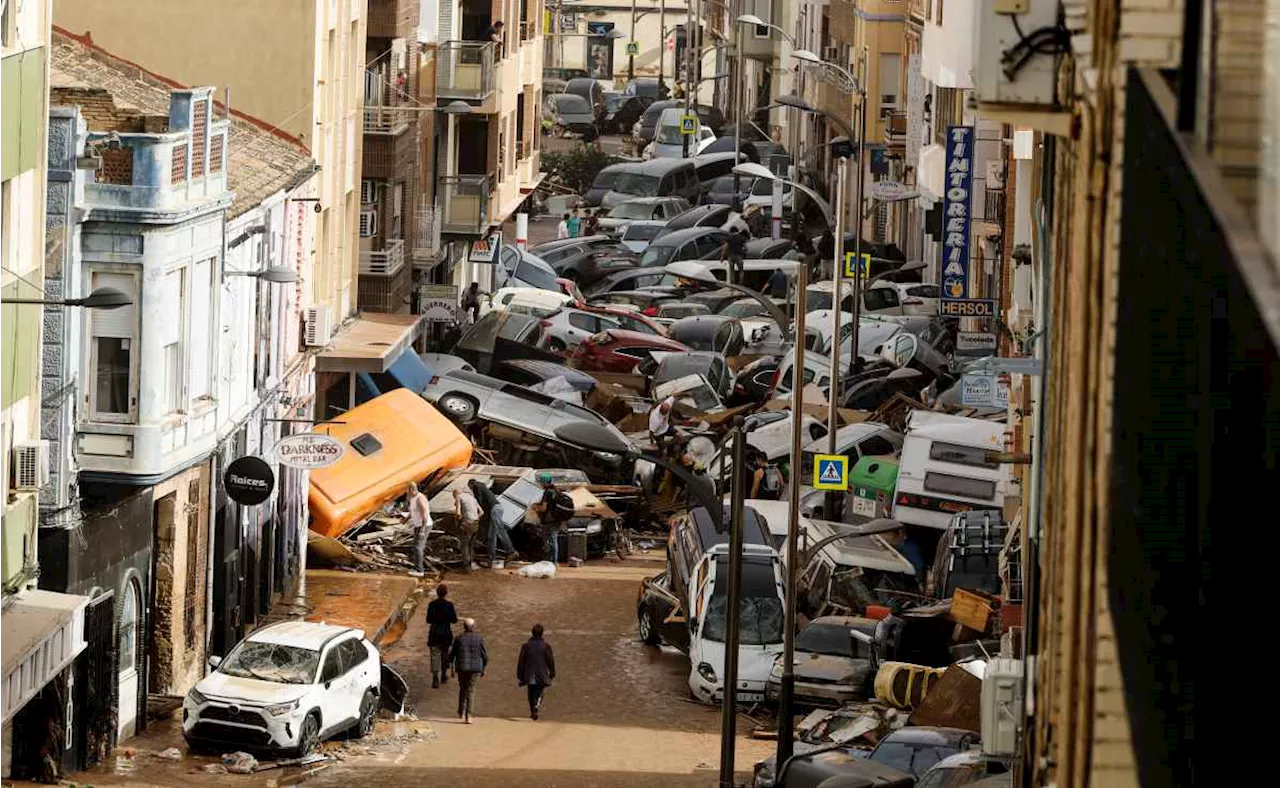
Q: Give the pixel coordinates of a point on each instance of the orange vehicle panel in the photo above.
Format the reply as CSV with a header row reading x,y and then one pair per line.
x,y
416,439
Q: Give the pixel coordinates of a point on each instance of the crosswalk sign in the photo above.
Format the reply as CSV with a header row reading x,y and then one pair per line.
x,y
688,124
866,265
831,472
633,48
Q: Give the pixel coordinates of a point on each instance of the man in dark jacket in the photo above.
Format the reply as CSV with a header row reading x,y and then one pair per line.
x,y
469,662
536,668
496,531
441,617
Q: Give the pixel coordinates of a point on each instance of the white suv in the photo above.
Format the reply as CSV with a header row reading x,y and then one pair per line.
x,y
287,686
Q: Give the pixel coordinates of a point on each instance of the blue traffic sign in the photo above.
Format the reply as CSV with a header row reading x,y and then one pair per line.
x,y
830,472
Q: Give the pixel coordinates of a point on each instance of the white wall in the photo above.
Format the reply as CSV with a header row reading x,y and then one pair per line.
x,y
946,51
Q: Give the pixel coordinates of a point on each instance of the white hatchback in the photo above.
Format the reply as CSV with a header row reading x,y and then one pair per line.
x,y
288,686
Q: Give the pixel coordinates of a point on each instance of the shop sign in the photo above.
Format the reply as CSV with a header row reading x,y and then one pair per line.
x,y
249,481
308,451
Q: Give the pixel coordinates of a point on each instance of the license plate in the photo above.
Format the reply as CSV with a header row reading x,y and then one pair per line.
x,y
864,507
750,697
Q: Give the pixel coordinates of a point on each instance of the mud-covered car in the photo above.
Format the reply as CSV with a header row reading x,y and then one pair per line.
x,y
831,667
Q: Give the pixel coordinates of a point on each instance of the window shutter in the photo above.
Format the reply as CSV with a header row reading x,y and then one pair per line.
x,y
116,323
171,330
201,294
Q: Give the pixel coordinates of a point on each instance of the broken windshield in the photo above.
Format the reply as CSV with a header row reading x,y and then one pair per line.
x,y
272,662
762,616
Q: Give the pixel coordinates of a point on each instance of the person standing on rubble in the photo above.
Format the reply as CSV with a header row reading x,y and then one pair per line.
x,y
554,510
467,510
496,530
469,659
660,423
420,518
536,669
441,616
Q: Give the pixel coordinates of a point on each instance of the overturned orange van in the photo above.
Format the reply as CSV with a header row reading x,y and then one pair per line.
x,y
396,438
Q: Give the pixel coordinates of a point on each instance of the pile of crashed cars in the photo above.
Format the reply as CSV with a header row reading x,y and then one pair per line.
x,y
907,592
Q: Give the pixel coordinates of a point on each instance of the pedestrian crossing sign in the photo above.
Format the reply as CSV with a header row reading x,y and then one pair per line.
x,y
688,124
831,472
633,48
866,265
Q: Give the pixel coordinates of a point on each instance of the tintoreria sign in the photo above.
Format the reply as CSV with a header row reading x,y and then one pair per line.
x,y
308,451
957,203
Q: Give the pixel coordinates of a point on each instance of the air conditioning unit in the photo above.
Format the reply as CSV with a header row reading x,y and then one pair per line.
x,y
368,223
30,465
1001,706
319,327
1015,49
368,192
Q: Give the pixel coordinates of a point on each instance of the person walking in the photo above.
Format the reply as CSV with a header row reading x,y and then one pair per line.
x,y
471,303
562,229
441,616
536,669
496,532
591,225
420,518
826,253
469,659
575,224
467,509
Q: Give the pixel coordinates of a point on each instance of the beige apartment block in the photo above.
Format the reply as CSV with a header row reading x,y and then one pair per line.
x,y
298,66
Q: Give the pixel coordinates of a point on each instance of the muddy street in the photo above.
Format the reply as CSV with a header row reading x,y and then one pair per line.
x,y
618,715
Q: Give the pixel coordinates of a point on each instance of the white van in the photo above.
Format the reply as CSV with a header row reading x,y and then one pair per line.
x,y
944,468
685,606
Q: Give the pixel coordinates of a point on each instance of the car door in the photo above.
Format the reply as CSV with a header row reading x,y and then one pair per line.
x,y
333,702
580,326
363,669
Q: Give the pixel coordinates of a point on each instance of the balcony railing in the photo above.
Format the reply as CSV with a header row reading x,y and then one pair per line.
x,y
464,69
993,205
384,262
426,239
388,119
464,201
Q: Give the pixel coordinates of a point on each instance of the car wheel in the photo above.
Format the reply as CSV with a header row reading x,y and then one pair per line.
x,y
368,709
556,346
309,736
457,407
648,629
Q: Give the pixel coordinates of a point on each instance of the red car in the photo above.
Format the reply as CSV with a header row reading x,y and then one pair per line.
x,y
631,319
617,350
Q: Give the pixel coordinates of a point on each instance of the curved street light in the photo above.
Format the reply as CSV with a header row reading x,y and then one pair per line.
x,y
805,56
276,274
101,298
750,169
691,269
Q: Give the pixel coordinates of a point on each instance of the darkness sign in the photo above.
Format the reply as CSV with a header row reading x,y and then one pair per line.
x,y
249,481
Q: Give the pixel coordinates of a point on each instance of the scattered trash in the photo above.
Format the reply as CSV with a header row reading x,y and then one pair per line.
x,y
575,561
314,757
239,762
170,754
210,768
542,569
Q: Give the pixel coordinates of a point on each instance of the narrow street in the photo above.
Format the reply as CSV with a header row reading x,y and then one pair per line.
x,y
618,715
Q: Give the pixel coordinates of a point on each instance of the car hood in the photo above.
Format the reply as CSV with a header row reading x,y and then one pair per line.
x,y
824,667
576,117
221,686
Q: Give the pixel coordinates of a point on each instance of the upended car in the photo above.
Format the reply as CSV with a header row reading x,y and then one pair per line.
x,y
288,687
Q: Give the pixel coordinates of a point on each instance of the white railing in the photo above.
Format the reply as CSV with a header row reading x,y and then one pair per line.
x,y
385,262
426,239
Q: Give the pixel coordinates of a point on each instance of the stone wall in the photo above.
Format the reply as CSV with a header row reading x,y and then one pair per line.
x,y
177,645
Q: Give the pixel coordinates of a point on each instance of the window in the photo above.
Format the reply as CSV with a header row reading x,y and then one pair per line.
x,y
353,653
201,315
333,665
925,291
962,486
366,444
890,72
583,321
127,631
880,298
173,297
764,10
397,209
961,455
199,136
875,446
112,339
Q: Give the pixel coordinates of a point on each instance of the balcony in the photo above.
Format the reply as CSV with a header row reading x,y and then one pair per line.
x,y
895,128
465,203
392,19
385,262
426,238
388,119
464,70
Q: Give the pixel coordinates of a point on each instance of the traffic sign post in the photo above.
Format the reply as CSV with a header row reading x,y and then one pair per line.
x,y
688,124
633,48
831,472
866,265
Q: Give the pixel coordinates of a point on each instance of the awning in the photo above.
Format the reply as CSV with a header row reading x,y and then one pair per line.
x,y
370,343
43,632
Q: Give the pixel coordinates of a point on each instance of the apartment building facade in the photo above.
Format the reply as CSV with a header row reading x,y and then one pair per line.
x,y
304,77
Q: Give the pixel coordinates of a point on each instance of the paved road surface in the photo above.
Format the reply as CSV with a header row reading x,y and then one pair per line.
x,y
617,716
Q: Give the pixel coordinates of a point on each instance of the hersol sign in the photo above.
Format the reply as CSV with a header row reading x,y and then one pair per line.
x,y
308,451
967,307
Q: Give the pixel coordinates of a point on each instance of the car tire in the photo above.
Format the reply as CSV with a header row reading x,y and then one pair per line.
x,y
368,712
647,626
457,407
309,735
556,346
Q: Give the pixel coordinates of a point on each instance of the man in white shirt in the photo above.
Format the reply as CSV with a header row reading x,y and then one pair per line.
x,y
660,422
562,229
420,518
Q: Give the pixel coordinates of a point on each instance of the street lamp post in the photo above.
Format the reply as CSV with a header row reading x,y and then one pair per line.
x,y
101,298
631,59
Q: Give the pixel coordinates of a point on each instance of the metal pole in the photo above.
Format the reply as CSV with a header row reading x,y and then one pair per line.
x,y
631,59
786,701
662,50
837,277
857,213
737,112
689,84
729,709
